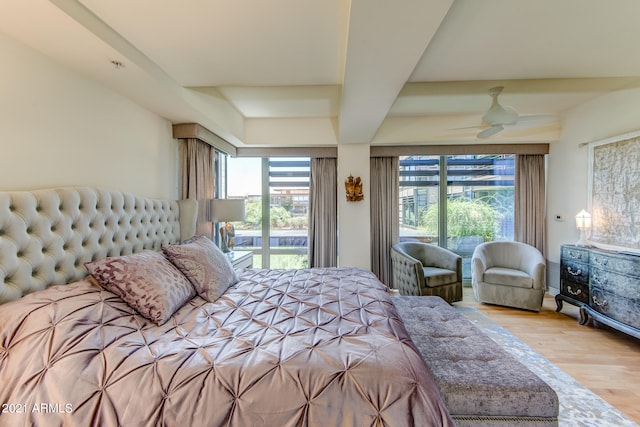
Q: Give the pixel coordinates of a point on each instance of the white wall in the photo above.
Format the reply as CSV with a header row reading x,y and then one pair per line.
x,y
58,128
354,218
607,116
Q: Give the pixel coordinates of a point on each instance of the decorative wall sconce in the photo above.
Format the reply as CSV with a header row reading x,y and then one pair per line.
x,y
583,223
354,189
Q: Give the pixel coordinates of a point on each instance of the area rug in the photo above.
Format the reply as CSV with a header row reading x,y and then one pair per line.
x,y
578,405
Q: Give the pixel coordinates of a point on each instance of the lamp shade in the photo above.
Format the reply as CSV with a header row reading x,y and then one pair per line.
x,y
583,220
227,210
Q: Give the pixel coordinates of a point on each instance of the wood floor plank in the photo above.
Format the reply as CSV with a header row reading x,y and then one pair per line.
x,y
604,360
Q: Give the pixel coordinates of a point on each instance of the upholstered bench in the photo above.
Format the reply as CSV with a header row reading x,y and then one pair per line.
x,y
481,383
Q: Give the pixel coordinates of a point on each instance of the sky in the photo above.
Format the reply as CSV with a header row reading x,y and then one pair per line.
x,y
243,176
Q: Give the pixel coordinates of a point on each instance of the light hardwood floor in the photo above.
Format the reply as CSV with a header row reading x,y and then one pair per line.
x,y
602,359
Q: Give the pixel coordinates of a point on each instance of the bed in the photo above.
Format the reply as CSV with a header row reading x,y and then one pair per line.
x,y
261,347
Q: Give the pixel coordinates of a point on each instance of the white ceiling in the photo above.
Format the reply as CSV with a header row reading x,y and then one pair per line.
x,y
326,72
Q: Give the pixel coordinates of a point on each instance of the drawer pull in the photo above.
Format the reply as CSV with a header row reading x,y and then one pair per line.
x,y
600,261
574,273
600,302
575,255
597,280
574,293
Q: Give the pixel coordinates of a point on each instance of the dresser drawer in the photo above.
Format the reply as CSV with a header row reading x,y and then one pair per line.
x,y
574,254
622,309
615,283
574,290
629,265
574,271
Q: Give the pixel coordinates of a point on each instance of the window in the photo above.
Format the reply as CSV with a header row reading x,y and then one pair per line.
x,y
277,209
457,202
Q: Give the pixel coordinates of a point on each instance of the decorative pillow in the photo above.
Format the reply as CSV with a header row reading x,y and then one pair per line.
x,y
203,263
146,281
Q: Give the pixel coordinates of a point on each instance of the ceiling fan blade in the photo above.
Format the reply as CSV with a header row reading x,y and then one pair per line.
x,y
533,120
490,131
469,127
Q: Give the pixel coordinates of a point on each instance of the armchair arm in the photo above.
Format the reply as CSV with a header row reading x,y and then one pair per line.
x,y
408,273
540,276
478,265
536,267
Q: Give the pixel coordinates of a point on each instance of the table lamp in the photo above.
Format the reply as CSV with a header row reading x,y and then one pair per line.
x,y
583,223
226,210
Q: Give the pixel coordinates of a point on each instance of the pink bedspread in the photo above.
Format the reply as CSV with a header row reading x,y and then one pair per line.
x,y
315,347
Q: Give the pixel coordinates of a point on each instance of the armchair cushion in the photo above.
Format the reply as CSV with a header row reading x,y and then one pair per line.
x,y
434,277
507,277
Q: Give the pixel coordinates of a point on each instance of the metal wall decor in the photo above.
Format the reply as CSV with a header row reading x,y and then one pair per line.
x,y
353,187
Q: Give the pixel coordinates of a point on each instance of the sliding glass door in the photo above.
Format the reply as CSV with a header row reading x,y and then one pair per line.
x,y
457,202
276,191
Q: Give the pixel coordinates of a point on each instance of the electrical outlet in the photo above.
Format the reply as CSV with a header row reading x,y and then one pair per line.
x,y
559,217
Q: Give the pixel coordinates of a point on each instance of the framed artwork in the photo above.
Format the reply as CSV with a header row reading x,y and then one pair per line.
x,y
614,193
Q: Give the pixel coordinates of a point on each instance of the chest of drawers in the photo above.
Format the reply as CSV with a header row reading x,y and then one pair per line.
x,y
604,284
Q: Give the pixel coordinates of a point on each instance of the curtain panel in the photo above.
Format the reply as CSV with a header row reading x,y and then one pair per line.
x,y
196,179
385,228
530,199
323,223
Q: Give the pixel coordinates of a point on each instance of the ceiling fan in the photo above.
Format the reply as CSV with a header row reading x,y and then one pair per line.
x,y
498,116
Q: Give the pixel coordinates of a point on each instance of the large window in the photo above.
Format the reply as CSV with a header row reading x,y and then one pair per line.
x,y
277,209
457,202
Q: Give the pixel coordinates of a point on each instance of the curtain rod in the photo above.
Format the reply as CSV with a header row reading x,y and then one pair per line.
x,y
616,138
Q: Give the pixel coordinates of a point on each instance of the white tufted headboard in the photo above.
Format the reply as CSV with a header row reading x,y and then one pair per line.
x,y
46,236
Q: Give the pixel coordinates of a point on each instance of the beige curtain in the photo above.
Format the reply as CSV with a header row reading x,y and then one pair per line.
x,y
384,215
196,179
323,210
529,209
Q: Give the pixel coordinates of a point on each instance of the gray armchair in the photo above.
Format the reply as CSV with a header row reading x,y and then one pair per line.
x,y
423,269
512,274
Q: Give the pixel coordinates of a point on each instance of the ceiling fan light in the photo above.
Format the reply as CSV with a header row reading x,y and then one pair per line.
x,y
501,115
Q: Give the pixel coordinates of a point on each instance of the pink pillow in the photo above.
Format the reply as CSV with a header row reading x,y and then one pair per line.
x,y
146,281
203,263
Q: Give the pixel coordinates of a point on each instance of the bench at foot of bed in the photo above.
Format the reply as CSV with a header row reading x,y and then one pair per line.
x,y
481,383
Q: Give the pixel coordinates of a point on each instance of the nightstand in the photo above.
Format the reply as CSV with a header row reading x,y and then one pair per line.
x,y
241,259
